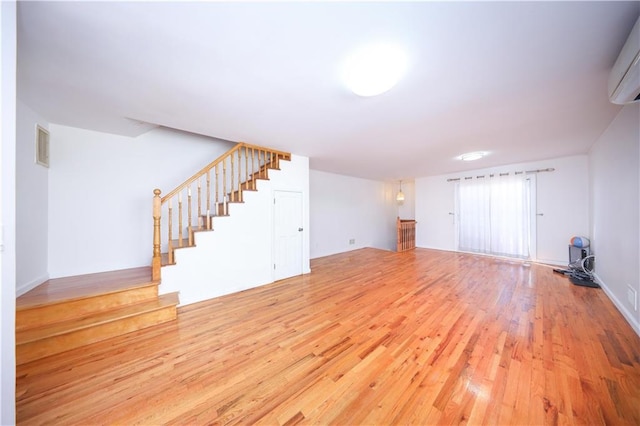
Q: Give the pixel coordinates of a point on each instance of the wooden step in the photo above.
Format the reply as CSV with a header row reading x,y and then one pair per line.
x,y
62,299
36,343
249,185
67,313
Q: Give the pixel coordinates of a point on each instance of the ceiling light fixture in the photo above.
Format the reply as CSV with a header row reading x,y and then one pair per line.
x,y
375,69
472,156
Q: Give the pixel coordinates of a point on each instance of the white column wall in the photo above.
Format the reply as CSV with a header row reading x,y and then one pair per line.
x,y
615,205
32,204
7,212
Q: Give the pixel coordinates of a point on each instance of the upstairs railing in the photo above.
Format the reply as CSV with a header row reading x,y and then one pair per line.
x,y
192,205
406,229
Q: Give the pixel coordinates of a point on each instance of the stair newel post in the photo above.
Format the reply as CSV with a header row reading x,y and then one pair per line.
x,y
156,262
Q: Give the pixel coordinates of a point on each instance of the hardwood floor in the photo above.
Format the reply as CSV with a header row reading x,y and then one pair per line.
x,y
370,337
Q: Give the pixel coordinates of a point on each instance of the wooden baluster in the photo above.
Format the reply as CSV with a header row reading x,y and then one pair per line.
x,y
231,194
246,165
216,212
189,214
156,263
209,190
217,184
199,205
170,225
180,219
253,169
224,179
239,177
405,238
258,172
407,242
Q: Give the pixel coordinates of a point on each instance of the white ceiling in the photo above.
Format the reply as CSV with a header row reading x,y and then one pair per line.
x,y
524,81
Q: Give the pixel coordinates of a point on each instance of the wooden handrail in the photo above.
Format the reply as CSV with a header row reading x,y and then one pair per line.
x,y
218,160
238,174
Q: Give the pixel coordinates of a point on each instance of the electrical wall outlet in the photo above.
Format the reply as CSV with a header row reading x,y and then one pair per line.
x,y
352,241
632,297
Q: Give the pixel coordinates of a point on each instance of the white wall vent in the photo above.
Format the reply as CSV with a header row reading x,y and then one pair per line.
x,y
42,146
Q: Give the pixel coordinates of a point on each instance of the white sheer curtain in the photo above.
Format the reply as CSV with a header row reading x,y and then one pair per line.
x,y
494,215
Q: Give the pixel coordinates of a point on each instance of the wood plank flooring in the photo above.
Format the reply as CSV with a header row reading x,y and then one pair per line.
x,y
369,337
58,289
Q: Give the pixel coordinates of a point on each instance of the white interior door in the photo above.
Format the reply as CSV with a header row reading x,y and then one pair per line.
x,y
288,234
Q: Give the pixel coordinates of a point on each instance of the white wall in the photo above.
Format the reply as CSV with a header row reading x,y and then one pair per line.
x,y
407,208
32,207
345,208
7,212
238,253
101,189
562,198
615,203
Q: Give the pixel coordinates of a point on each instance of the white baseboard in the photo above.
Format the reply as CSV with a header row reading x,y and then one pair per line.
x,y
621,306
22,289
553,262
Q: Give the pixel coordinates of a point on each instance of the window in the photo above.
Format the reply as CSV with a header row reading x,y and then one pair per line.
x,y
495,215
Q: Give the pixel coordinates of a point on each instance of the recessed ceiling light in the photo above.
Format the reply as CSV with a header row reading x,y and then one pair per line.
x,y
471,156
374,69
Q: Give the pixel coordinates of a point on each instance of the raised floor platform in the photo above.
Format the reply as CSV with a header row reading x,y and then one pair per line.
x,y
66,313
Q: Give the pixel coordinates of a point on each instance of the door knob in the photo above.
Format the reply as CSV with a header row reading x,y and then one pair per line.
x,y
299,229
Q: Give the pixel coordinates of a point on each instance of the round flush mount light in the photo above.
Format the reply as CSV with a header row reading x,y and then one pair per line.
x,y
374,69
472,156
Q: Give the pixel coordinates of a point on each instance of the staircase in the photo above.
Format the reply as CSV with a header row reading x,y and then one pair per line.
x,y
193,205
67,313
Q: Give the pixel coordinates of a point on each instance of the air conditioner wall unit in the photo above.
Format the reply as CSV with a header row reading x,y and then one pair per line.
x,y
624,80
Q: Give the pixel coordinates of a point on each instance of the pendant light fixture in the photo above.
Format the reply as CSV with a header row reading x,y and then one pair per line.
x,y
400,196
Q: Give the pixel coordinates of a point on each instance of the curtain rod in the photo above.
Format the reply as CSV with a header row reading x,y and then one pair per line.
x,y
550,169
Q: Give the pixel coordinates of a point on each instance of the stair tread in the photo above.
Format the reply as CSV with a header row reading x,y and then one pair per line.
x,y
34,334
83,286
175,243
201,229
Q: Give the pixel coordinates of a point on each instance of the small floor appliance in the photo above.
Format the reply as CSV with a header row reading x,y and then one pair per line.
x,y
581,263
